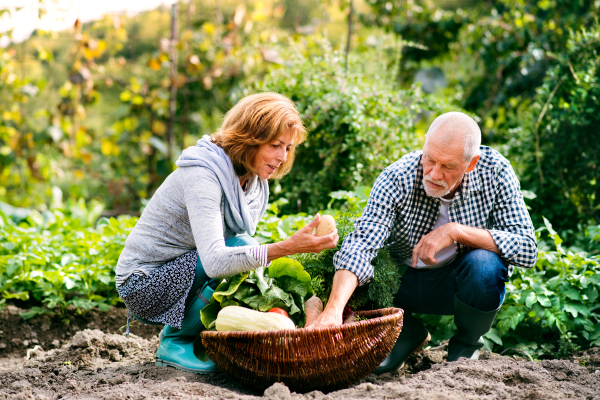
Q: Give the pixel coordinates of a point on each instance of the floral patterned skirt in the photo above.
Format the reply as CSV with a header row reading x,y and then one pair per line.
x,y
161,296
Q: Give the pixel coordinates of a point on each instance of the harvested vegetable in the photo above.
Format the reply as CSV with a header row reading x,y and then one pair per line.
x,y
326,226
314,307
234,318
278,310
285,284
348,314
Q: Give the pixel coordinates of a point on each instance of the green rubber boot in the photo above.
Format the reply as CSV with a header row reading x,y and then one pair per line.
x,y
413,337
472,324
176,347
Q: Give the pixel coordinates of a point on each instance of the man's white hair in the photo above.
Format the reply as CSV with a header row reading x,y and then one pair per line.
x,y
458,125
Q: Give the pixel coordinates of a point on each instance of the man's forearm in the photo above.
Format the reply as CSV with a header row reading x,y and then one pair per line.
x,y
344,283
474,237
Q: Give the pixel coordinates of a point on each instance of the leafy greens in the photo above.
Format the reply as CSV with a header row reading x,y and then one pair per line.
x,y
284,284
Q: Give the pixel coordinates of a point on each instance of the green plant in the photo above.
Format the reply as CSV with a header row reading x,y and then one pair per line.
x,y
59,259
557,153
495,55
358,123
284,284
379,293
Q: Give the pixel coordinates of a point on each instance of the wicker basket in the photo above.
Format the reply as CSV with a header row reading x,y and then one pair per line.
x,y
307,359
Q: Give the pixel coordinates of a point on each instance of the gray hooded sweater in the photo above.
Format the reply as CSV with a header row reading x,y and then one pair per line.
x,y
198,206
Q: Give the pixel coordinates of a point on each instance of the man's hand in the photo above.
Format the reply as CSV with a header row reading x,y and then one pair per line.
x,y
447,234
344,283
433,242
327,318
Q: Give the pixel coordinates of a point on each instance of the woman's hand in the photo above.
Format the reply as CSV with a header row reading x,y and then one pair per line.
x,y
304,241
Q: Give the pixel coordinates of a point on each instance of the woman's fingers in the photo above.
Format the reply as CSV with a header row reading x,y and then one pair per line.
x,y
328,241
313,224
305,240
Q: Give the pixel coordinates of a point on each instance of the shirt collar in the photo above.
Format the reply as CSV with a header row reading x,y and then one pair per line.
x,y
470,183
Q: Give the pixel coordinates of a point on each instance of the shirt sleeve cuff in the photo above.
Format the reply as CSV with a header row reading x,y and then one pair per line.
x,y
508,244
260,254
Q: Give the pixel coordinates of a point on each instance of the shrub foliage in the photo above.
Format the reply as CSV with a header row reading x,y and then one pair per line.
x,y
358,124
559,150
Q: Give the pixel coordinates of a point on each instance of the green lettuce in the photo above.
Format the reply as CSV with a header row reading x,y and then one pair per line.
x,y
284,284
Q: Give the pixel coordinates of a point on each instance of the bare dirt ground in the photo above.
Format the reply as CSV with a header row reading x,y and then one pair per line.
x,y
90,358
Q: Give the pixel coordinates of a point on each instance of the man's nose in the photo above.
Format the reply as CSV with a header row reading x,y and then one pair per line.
x,y
436,173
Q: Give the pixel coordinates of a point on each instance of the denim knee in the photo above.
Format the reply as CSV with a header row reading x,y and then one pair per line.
x,y
242,240
480,279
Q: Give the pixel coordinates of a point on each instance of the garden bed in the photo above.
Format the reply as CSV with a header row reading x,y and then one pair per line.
x,y
101,363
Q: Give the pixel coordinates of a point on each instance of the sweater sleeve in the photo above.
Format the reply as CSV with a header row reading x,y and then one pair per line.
x,y
202,196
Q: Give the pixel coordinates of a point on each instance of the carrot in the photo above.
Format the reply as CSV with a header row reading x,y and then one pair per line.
x,y
313,307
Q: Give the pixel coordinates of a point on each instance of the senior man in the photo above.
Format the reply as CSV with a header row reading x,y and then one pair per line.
x,y
454,214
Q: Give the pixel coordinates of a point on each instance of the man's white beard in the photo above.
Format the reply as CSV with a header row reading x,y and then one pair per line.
x,y
436,192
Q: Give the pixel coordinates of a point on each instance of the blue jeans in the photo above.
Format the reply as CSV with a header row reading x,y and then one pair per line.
x,y
476,278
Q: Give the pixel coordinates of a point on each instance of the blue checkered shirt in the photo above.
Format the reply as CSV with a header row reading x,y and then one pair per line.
x,y
399,213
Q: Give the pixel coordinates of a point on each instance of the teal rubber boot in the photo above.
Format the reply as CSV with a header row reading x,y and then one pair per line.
x,y
413,337
176,347
472,324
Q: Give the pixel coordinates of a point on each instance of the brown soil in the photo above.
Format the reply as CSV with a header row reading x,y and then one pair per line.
x,y
17,335
101,363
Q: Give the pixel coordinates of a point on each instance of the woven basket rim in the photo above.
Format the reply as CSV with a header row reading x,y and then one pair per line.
x,y
389,313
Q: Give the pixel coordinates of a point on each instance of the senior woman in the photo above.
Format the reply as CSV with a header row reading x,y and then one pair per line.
x,y
199,223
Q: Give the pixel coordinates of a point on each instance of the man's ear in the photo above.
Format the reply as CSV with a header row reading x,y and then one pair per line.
x,y
473,163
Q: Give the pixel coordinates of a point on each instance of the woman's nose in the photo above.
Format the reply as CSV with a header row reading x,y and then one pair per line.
x,y
282,156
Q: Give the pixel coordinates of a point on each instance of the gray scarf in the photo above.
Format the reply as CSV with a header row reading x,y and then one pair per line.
x,y
242,210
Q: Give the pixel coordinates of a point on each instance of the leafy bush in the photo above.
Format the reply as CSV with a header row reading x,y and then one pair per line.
x,y
59,259
558,150
494,53
358,123
552,309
